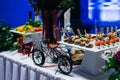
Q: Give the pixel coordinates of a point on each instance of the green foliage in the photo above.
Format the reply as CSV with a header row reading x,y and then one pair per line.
x,y
111,63
15,47
65,4
59,4
6,37
114,76
34,23
36,4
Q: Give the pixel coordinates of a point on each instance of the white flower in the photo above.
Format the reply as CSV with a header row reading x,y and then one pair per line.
x,y
106,56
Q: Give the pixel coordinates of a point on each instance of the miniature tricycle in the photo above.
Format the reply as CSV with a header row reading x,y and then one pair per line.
x,y
56,53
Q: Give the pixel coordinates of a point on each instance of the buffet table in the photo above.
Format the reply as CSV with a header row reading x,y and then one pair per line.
x,y
92,62
15,66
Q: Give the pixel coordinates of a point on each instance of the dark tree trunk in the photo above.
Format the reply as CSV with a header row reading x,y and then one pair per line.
x,y
56,26
51,29
48,24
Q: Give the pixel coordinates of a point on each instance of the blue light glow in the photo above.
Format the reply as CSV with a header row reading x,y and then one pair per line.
x,y
104,10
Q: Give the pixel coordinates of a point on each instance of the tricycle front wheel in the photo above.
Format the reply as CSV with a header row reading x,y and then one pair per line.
x,y
65,64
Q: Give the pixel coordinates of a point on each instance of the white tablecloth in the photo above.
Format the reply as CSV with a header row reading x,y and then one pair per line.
x,y
13,66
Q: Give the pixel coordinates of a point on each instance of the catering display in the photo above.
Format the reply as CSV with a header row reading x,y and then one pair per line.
x,y
85,46
26,34
29,27
98,40
94,45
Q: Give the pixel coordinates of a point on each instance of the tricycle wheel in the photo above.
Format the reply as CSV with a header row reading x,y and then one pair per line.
x,y
65,64
38,57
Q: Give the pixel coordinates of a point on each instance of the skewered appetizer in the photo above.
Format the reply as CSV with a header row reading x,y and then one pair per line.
x,y
88,43
99,40
77,41
82,42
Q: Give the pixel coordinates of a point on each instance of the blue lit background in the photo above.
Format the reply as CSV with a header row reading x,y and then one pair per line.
x,y
90,13
104,13
104,10
14,12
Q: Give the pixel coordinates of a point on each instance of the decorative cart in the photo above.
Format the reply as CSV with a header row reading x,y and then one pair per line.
x,y
56,53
